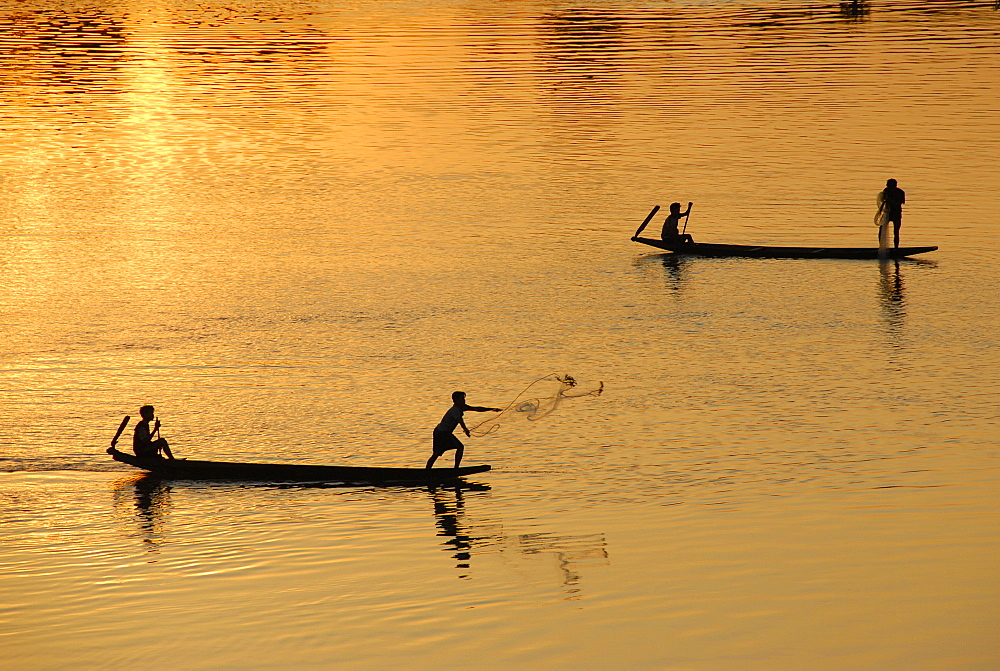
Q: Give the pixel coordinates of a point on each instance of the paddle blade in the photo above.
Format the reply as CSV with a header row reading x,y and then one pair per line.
x,y
114,441
649,218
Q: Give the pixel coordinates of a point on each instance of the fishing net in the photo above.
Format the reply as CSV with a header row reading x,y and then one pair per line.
x,y
882,221
539,399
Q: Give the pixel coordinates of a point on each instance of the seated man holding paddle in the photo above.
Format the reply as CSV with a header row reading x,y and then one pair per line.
x,y
670,232
142,439
444,432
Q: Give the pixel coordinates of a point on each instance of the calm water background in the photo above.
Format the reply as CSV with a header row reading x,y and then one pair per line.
x,y
297,227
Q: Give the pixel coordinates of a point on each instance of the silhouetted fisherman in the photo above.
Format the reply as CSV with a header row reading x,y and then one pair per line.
x,y
444,432
142,439
890,209
670,232
854,9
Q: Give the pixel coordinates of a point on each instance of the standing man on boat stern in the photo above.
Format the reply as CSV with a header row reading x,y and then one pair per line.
x,y
890,208
142,439
444,432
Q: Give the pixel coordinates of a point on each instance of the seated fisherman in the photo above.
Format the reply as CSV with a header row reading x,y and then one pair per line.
x,y
142,440
670,232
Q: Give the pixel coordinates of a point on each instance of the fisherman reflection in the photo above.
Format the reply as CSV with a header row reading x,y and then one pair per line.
x,y
151,498
892,294
449,509
674,270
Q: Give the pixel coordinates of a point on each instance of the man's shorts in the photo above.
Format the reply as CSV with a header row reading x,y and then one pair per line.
x,y
445,441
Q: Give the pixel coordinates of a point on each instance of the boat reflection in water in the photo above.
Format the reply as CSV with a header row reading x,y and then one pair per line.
x,y
144,504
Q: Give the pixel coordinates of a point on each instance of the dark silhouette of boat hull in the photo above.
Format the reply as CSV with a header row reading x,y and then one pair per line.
x,y
191,469
760,252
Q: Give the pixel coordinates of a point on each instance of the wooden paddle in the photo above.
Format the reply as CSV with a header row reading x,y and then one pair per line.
x,y
649,218
686,217
114,441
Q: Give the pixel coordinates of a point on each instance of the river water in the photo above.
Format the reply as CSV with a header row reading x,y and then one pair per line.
x,y
296,228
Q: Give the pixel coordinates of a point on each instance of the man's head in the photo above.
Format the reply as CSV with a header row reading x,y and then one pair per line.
x,y
147,412
675,208
890,182
458,397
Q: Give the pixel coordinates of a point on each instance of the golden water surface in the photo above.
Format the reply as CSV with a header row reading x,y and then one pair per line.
x,y
297,227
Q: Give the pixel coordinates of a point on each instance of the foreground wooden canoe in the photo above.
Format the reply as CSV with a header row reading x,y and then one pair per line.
x,y
190,469
706,249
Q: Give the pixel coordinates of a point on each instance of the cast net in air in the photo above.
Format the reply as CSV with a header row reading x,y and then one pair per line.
x,y
539,399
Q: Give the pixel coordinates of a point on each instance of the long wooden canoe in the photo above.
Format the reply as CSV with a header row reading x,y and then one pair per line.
x,y
190,469
753,251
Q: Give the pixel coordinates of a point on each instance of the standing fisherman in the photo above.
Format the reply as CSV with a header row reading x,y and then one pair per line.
x,y
444,432
890,209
